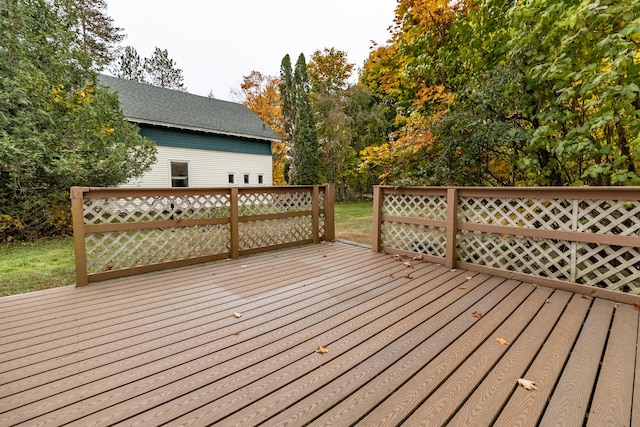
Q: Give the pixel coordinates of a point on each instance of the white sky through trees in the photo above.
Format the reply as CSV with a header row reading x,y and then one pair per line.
x,y
217,42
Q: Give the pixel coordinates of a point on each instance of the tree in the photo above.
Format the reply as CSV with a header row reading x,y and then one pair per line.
x,y
57,128
287,100
98,34
305,163
129,66
162,71
260,93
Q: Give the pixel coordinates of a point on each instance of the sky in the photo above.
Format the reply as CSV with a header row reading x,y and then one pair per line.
x,y
218,42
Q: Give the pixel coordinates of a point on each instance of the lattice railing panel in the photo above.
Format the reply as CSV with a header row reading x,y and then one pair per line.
x,y
621,218
611,267
269,203
547,214
150,208
258,234
415,238
127,249
415,206
544,258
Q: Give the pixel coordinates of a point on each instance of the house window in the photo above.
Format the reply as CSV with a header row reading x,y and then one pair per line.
x,y
179,174
246,179
231,178
260,179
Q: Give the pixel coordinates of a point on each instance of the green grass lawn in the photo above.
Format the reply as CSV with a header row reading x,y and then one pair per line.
x,y
354,221
43,264
36,265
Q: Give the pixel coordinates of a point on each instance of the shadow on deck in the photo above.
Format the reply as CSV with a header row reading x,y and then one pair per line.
x,y
409,344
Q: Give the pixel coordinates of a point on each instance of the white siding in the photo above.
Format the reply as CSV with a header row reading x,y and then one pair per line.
x,y
206,168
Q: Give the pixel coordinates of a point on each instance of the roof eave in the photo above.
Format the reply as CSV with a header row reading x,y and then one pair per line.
x,y
197,129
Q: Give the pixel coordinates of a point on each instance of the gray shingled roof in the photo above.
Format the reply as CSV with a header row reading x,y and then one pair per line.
x,y
146,104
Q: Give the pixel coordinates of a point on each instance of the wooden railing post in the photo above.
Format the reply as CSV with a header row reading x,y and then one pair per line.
x,y
329,213
80,250
315,213
234,220
451,231
377,219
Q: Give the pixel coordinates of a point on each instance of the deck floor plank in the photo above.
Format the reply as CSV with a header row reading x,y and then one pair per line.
x,y
611,404
482,406
570,399
405,348
525,408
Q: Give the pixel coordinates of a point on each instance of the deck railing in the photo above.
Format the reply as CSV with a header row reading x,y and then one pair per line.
x,y
119,232
550,236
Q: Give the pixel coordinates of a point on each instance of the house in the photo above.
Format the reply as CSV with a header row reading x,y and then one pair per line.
x,y
201,142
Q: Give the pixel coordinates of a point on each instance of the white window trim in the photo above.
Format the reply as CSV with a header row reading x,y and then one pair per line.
x,y
188,172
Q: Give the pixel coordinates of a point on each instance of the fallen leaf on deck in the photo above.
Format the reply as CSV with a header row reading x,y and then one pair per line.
x,y
236,333
502,341
477,314
589,297
462,287
469,277
408,276
528,385
417,257
324,256
547,301
453,269
237,315
322,350
407,264
391,275
243,266
108,268
636,306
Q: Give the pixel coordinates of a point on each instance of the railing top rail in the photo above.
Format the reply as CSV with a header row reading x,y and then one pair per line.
x,y
519,192
107,192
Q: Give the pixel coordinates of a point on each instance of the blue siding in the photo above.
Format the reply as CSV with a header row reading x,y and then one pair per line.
x,y
202,141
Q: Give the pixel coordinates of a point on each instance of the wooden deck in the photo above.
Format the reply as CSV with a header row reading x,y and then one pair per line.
x,y
404,348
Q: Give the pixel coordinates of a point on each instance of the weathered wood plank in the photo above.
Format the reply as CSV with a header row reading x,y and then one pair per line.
x,y
570,399
611,405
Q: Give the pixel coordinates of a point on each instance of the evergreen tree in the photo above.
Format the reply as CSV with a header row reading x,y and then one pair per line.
x,y
129,66
98,34
57,128
162,71
305,140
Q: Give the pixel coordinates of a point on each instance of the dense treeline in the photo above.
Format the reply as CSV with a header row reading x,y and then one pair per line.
x,y
496,92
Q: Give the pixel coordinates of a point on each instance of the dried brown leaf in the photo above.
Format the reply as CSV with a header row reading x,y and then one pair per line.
x,y
236,333
527,384
477,314
418,257
243,266
407,264
408,276
392,276
469,277
503,341
462,287
237,315
589,297
636,306
322,350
